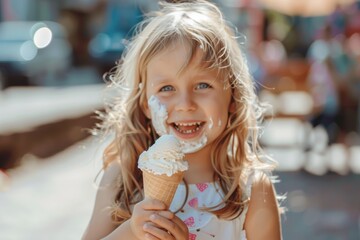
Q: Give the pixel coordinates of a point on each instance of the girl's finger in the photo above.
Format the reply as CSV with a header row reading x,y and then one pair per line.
x,y
153,204
175,228
166,214
149,236
180,224
181,231
157,233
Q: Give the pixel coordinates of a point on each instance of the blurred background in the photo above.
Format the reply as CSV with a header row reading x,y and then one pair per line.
x,y
304,56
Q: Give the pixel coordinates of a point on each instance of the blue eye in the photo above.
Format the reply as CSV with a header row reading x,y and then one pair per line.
x,y
167,88
203,86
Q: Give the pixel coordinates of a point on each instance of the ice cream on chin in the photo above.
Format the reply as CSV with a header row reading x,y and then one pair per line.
x,y
163,168
194,146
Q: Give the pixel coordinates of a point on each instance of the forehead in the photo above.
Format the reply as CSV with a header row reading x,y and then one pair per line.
x,y
177,59
174,54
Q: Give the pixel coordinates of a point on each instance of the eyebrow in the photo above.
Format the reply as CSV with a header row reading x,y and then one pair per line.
x,y
160,78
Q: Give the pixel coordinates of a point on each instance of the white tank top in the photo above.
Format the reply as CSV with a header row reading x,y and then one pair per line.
x,y
203,225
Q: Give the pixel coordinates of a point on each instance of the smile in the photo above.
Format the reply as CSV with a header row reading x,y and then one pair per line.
x,y
188,128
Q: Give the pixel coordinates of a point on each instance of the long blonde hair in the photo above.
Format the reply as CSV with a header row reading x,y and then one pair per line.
x,y
198,24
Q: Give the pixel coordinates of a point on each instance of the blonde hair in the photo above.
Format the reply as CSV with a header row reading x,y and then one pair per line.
x,y
198,24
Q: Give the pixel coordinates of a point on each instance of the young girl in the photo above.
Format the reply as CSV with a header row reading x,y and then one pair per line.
x,y
184,74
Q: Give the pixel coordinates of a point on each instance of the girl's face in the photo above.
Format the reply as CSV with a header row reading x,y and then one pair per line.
x,y
196,101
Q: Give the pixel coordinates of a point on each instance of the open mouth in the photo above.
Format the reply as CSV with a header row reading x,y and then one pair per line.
x,y
188,128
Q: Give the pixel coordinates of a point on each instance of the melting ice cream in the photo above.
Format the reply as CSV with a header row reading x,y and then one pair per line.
x,y
165,156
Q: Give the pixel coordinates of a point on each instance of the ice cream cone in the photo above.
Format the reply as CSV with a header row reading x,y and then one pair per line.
x,y
163,168
161,187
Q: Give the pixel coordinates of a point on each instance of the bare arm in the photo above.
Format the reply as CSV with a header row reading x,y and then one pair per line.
x,y
101,225
149,219
263,220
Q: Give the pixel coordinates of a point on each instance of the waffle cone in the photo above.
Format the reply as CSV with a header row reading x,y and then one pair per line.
x,y
161,187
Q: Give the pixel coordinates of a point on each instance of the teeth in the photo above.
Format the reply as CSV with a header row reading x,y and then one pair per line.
x,y
188,131
188,124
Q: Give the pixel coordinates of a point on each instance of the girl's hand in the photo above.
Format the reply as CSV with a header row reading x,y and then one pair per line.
x,y
166,225
141,215
151,220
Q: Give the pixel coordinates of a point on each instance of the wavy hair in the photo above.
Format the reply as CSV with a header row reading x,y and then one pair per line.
x,y
235,152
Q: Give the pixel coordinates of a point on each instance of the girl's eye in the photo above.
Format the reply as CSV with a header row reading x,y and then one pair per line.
x,y
203,86
167,88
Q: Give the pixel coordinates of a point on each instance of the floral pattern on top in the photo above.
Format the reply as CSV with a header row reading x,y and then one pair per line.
x,y
203,225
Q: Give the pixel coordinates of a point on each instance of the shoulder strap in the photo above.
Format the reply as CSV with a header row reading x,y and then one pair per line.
x,y
246,195
249,182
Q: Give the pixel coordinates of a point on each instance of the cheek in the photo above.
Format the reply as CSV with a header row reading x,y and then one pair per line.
x,y
218,112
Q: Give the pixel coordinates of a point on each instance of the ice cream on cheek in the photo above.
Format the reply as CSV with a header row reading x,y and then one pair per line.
x,y
211,123
159,115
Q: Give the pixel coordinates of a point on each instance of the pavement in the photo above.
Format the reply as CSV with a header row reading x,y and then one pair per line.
x,y
51,198
320,207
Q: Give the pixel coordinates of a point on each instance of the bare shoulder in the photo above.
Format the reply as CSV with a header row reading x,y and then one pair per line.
x,y
100,223
263,210
111,173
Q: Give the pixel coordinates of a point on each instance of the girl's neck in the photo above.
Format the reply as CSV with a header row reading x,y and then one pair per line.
x,y
200,168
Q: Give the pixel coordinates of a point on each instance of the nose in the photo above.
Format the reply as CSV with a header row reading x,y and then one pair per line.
x,y
185,102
